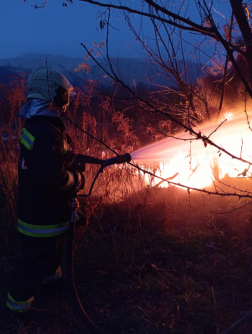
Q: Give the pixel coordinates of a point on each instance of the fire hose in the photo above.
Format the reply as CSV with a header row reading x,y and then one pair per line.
x,y
70,246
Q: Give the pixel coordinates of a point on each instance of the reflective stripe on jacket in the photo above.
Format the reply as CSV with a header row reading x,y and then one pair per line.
x,y
42,230
27,139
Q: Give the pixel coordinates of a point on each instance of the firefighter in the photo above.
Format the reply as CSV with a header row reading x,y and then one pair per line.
x,y
46,179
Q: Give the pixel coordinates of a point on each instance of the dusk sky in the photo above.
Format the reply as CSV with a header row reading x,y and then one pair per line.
x,y
59,30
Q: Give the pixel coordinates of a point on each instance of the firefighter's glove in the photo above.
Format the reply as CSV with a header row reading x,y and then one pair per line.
x,y
79,180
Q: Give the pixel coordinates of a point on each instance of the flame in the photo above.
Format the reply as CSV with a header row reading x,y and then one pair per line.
x,y
198,166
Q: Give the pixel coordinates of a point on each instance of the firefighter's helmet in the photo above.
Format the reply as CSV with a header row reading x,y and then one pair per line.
x,y
49,85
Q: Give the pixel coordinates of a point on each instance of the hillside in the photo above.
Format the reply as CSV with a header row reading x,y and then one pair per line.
x,y
130,69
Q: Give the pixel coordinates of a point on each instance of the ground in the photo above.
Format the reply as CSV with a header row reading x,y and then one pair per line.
x,y
161,261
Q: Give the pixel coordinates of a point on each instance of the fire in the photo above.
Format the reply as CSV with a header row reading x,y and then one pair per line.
x,y
198,166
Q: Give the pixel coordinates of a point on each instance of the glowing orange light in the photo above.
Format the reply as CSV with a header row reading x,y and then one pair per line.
x,y
194,162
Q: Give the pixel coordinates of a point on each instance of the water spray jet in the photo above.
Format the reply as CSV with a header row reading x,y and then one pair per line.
x,y
195,163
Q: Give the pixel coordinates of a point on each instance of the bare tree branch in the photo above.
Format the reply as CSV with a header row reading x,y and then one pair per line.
x,y
192,26
226,64
197,135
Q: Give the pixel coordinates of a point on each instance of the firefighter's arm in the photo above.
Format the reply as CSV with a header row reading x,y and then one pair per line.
x,y
78,161
50,165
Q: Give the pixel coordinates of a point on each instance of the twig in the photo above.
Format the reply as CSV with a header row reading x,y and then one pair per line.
x,y
217,128
191,25
190,155
245,110
167,179
215,312
241,147
48,84
226,63
240,207
191,188
238,323
41,6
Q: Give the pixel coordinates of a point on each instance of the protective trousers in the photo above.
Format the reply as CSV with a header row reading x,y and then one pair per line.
x,y
40,257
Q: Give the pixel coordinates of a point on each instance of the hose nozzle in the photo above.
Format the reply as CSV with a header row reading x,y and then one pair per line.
x,y
123,158
119,159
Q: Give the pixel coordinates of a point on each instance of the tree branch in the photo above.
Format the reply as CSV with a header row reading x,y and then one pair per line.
x,y
226,64
196,26
241,19
198,135
192,26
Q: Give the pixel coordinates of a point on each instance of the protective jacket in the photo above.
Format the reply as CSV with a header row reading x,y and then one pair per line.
x,y
44,182
43,202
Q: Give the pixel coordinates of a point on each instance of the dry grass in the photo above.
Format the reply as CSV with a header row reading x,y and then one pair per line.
x,y
157,262
166,265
